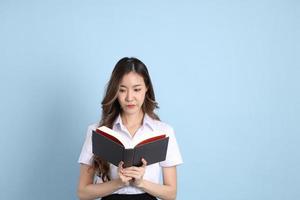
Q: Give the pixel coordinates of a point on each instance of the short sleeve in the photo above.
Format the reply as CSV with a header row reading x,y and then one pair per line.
x,y
86,151
173,156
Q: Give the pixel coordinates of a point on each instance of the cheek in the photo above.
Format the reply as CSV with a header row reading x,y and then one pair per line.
x,y
120,99
142,98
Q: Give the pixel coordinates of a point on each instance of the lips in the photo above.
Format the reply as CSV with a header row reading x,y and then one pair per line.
x,y
130,106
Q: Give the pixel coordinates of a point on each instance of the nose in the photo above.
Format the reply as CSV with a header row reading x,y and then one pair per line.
x,y
129,96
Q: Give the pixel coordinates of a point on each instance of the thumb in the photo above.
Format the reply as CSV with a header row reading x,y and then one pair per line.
x,y
144,162
120,166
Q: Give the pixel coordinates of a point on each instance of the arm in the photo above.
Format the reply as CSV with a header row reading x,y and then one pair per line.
x,y
88,190
167,191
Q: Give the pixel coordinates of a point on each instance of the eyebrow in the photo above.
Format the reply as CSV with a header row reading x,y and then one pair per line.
x,y
132,86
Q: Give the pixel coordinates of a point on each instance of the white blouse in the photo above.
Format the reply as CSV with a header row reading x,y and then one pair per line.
x,y
152,172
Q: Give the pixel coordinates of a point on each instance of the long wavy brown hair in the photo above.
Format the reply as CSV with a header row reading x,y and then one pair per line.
x,y
111,107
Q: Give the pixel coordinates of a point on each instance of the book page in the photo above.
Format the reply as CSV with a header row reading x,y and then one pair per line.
x,y
149,137
114,134
146,138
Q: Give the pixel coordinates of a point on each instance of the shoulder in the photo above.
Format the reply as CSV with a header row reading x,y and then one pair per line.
x,y
92,126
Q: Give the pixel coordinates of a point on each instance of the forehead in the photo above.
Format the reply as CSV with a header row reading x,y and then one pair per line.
x,y
132,79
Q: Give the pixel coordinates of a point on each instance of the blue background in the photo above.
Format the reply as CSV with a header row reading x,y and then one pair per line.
x,y
226,76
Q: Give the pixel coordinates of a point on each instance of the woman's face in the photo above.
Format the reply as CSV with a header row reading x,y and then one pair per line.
x,y
131,94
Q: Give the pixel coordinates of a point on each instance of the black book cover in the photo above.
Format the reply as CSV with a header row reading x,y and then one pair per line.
x,y
114,152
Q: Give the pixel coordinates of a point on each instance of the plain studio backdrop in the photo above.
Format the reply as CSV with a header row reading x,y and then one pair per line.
x,y
226,76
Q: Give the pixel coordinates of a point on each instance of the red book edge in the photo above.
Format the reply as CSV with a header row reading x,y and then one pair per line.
x,y
151,140
139,144
109,136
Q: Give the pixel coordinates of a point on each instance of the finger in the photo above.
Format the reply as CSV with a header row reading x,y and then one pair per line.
x,y
140,170
121,164
133,174
127,178
120,167
144,162
128,168
134,177
132,168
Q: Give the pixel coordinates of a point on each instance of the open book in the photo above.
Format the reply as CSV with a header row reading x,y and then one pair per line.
x,y
111,146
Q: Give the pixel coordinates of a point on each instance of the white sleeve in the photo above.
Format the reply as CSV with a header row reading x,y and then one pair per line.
x,y
86,151
173,156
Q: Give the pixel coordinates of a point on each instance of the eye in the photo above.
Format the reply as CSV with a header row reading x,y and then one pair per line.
x,y
121,90
137,90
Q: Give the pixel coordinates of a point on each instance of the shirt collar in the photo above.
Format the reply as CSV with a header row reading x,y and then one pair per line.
x,y
146,121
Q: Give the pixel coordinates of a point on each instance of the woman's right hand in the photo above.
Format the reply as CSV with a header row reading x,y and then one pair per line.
x,y
125,179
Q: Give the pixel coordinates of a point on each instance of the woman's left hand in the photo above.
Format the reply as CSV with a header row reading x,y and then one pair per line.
x,y
137,173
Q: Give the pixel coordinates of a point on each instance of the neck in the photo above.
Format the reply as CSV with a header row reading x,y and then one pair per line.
x,y
134,119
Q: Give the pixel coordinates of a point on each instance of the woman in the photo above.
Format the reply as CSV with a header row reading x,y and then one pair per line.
x,y
128,108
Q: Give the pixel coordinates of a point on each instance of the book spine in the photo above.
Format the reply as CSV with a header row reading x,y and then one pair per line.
x,y
128,157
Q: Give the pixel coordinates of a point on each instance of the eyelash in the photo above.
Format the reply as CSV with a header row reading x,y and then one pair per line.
x,y
136,90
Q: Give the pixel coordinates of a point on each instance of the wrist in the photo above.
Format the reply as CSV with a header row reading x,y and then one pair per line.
x,y
141,184
120,183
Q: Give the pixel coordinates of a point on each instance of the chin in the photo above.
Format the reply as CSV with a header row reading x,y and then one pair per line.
x,y
130,112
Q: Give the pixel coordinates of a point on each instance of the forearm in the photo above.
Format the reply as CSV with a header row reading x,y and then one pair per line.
x,y
166,192
93,191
